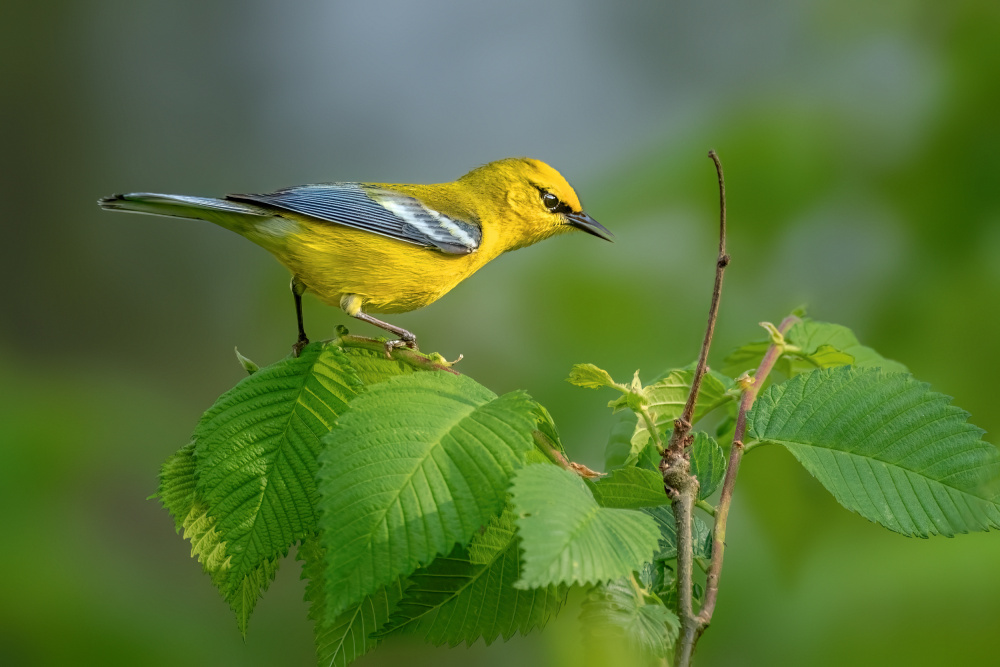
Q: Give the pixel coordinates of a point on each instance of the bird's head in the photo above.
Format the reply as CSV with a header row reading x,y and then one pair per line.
x,y
538,201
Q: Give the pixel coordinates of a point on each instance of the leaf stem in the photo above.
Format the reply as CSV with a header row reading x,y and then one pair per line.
x,y
543,443
706,507
651,427
640,592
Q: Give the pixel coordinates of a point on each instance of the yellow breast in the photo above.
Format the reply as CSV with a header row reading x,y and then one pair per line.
x,y
390,276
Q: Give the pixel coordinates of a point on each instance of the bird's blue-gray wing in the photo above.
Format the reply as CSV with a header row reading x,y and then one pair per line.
x,y
375,210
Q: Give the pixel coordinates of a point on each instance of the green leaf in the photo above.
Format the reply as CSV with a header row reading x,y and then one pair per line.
x,y
618,610
650,457
619,446
886,447
701,534
658,578
708,463
243,490
827,356
177,492
497,536
349,636
745,358
206,545
470,593
630,488
821,341
568,538
372,366
547,427
665,400
245,591
177,484
590,377
816,345
255,453
419,463
249,366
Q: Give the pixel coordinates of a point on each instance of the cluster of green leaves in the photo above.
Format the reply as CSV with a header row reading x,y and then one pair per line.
x,y
417,500
420,502
881,442
640,608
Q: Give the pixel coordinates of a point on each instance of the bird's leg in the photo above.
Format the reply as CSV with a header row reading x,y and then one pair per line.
x,y
406,339
298,288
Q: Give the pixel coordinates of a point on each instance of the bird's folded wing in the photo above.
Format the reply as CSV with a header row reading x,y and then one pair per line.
x,y
375,210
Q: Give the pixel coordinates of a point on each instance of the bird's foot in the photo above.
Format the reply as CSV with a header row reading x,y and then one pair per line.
x,y
406,339
299,345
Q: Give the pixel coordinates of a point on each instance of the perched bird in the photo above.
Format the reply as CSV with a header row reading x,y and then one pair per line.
x,y
389,248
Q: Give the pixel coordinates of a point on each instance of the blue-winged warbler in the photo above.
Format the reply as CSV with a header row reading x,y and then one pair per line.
x,y
389,248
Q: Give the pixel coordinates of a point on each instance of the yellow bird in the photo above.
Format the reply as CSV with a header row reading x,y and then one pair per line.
x,y
389,248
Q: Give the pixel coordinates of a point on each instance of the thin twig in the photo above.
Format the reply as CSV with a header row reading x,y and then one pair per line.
x,y
713,312
680,485
735,457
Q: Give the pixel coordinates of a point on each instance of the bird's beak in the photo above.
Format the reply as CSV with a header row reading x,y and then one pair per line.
x,y
583,221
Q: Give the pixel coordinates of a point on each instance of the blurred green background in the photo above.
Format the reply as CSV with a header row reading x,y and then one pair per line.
x,y
862,148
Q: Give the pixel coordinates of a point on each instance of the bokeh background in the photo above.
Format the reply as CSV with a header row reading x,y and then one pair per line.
x,y
861,143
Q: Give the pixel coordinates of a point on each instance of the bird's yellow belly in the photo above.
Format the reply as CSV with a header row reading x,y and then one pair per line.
x,y
390,276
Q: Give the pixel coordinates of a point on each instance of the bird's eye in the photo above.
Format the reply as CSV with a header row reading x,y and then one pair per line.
x,y
551,201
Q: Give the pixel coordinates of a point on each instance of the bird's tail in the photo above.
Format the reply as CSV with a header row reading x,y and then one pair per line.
x,y
236,216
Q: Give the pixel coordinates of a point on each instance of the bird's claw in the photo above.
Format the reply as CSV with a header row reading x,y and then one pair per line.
x,y
298,347
407,340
